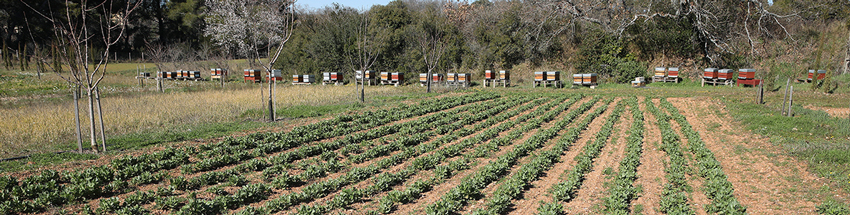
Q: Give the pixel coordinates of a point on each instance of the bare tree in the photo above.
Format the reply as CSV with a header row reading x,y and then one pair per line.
x,y
367,48
432,44
251,26
84,26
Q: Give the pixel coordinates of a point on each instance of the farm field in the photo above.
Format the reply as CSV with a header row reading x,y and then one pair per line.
x,y
469,153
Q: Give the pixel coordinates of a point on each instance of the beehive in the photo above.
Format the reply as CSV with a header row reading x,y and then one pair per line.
x,y
330,76
588,79
195,74
577,78
423,77
275,74
172,75
539,76
660,71
436,77
160,74
296,79
709,73
308,78
489,75
336,76
359,74
746,74
553,76
821,74
673,72
724,74
385,76
178,74
504,75
398,76
144,74
451,77
463,77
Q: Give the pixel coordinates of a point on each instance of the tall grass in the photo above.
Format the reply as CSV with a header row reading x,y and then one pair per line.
x,y
50,127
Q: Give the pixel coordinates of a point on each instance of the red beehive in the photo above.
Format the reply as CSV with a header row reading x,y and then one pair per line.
x,y
724,74
673,72
746,74
710,73
436,77
398,76
489,75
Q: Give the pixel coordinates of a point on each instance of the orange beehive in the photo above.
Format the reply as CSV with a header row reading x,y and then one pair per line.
x,y
673,72
710,73
423,77
195,74
489,75
160,74
463,77
451,77
504,75
577,79
821,74
539,76
334,76
296,79
588,79
746,74
385,76
172,75
553,76
660,71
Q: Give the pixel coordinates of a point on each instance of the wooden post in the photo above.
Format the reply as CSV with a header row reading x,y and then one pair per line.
x,y
760,94
785,97
790,100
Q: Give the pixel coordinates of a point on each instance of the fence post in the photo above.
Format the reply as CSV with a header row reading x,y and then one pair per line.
x,y
785,97
790,100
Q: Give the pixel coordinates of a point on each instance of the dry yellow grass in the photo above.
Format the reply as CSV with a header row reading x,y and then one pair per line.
x,y
43,128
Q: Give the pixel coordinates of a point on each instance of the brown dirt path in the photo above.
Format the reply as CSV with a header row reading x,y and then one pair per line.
x,y
765,180
651,169
589,196
834,112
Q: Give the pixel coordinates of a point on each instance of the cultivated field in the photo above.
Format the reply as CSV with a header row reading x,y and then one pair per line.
x,y
475,153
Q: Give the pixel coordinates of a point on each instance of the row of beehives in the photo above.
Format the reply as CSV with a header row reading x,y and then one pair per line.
x,y
727,74
176,75
448,77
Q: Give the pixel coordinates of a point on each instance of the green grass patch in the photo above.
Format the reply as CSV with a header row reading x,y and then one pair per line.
x,y
38,160
305,111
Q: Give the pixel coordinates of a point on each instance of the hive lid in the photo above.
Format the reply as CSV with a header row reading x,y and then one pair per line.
x,y
822,71
746,70
711,69
503,71
674,69
659,68
725,71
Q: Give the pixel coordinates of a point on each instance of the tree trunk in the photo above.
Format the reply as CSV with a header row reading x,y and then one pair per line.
x,y
272,80
428,81
90,95
100,115
76,89
847,56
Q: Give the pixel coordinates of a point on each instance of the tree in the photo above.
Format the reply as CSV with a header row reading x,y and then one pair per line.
x,y
250,26
429,37
368,39
82,26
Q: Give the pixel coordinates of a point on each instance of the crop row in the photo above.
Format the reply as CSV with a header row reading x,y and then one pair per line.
x,y
622,190
413,191
565,190
384,181
355,175
717,187
52,188
515,185
458,196
674,199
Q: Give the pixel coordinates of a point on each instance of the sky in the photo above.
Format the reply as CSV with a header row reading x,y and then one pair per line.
x,y
356,4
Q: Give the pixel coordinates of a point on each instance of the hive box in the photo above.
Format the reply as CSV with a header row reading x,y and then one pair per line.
x,y
144,74
359,74
308,78
275,74
577,78
673,72
331,76
463,77
504,75
489,75
539,76
436,77
588,79
660,71
194,74
385,76
398,76
724,74
709,73
296,79
553,76
423,77
746,74
821,74
451,77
